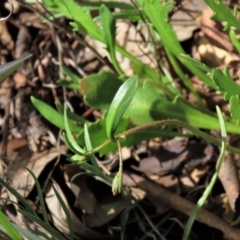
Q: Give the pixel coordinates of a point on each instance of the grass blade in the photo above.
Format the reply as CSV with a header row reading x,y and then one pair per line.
x,y
209,188
8,228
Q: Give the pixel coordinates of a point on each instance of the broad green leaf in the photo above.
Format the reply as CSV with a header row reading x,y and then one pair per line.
x,y
99,89
225,83
7,69
222,13
52,115
8,228
119,104
148,106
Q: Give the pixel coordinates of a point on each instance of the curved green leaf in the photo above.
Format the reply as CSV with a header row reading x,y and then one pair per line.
x,y
52,115
119,104
69,137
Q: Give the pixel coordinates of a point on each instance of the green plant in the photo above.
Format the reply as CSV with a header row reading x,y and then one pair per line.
x,y
134,107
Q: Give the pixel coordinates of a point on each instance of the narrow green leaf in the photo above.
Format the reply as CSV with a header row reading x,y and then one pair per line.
x,y
97,131
75,78
222,13
7,69
69,136
52,115
75,12
43,224
68,84
29,234
67,213
235,108
225,83
21,199
39,191
196,63
234,40
8,228
89,145
108,28
71,115
110,4
119,104
109,32
210,186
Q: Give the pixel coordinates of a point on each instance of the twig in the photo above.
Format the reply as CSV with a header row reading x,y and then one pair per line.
x,y
184,206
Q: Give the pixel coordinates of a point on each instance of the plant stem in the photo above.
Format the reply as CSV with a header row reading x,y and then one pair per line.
x,y
167,122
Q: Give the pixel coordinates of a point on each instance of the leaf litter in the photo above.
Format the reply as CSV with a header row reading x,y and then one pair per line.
x,y
160,179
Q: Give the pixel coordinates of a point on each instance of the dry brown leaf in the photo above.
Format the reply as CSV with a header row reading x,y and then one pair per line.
x,y
36,164
210,54
5,37
80,189
126,36
60,220
20,80
83,194
229,178
213,30
184,21
190,181
101,215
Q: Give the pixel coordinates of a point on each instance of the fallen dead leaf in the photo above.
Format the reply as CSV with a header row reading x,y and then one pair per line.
x,y
210,54
36,164
20,80
80,189
5,37
103,215
184,21
213,31
229,178
60,219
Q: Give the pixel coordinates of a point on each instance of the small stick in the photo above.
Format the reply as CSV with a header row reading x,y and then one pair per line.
x,y
185,206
